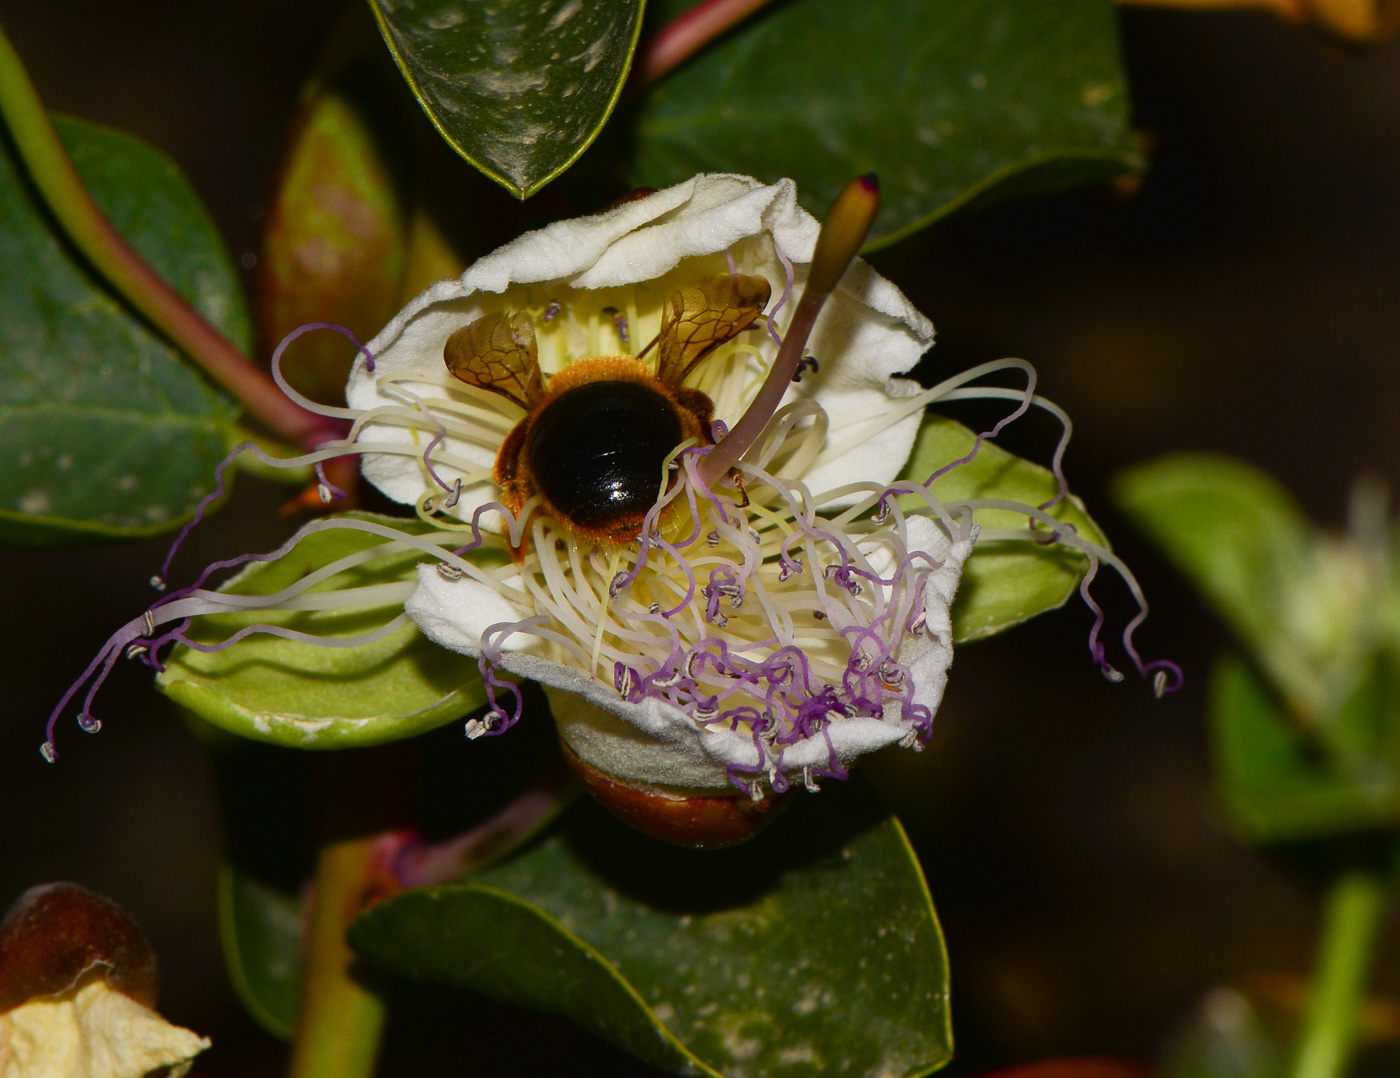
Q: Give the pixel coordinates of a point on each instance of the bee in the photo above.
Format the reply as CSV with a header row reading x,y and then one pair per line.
x,y
596,435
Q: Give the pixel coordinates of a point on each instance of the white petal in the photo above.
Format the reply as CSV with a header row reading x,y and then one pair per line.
x,y
454,613
91,1032
928,656
653,745
868,333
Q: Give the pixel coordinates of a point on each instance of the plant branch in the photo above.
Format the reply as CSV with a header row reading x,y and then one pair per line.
x,y
686,34
67,197
339,1021
1355,906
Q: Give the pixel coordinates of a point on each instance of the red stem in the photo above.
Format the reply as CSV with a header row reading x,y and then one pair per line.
x,y
219,357
686,34
46,160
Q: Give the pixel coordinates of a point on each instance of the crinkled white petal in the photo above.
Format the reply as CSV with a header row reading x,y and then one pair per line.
x,y
867,334
652,744
92,1032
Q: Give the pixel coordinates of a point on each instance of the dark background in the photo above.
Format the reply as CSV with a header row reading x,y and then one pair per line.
x,y
1245,301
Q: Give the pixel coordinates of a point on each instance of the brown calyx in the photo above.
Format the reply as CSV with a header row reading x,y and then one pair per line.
x,y
55,934
699,821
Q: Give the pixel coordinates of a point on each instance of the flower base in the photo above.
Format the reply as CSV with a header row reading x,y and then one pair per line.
x,y
703,821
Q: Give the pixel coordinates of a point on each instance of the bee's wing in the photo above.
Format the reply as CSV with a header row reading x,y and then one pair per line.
x,y
498,352
701,316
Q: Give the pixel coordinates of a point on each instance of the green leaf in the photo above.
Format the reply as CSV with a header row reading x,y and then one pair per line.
x,y
260,929
1004,583
949,102
1308,607
519,88
306,696
108,433
812,950
1280,783
1229,528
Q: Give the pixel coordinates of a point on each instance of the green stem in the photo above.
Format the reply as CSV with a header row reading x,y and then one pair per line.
x,y
1355,905
340,1020
82,220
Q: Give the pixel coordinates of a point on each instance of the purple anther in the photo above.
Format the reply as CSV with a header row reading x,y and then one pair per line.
x,y
326,485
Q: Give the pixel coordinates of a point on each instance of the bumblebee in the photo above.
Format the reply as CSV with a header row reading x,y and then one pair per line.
x,y
596,435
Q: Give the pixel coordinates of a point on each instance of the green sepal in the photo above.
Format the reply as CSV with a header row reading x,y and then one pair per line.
x,y
1005,582
301,695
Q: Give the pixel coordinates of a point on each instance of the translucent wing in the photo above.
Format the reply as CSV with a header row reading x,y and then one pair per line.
x,y
700,317
498,352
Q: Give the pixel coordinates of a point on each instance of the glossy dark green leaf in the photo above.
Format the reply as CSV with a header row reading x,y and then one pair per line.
x,y
812,950
948,102
305,696
1279,782
260,929
1007,582
108,433
518,87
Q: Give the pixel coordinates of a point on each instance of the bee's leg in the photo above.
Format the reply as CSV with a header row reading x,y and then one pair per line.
x,y
701,408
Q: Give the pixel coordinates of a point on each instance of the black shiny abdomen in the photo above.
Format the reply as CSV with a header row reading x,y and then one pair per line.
x,y
596,452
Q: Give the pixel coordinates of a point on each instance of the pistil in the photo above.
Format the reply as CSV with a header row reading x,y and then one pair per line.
x,y
842,233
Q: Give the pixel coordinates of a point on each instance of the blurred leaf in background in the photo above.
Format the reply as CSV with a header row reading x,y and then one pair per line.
x,y
1307,733
336,240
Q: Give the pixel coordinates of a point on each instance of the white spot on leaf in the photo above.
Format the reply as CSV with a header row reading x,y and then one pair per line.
x,y
565,13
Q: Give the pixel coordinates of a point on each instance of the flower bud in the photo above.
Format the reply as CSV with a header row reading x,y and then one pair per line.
x,y
77,986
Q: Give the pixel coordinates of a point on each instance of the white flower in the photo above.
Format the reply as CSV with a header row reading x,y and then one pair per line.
x,y
777,605
734,644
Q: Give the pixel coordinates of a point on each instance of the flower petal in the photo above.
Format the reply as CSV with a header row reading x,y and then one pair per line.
x,y
652,745
868,333
92,1031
